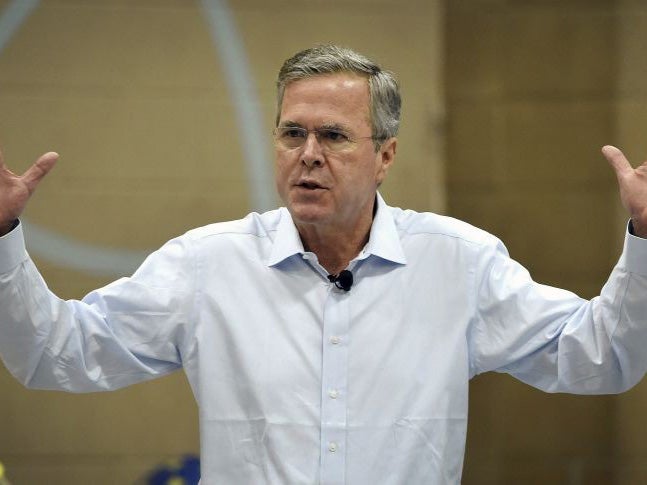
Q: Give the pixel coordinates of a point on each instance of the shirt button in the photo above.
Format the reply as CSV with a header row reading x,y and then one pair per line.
x,y
332,446
333,393
335,340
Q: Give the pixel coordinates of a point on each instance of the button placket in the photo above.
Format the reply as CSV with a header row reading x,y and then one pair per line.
x,y
333,387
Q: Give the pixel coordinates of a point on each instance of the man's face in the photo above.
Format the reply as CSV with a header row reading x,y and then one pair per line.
x,y
320,185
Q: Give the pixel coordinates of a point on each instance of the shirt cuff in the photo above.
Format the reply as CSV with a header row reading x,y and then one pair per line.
x,y
634,254
12,249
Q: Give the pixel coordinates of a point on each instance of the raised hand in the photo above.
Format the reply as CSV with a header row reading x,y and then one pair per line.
x,y
633,187
15,190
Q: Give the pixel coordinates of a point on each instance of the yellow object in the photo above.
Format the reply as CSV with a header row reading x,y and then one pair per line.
x,y
176,481
1,470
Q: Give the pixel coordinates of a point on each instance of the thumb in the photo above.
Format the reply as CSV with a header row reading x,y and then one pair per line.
x,y
41,167
617,160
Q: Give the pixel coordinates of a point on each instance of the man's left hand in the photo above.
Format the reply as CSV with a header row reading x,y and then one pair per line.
x,y
633,187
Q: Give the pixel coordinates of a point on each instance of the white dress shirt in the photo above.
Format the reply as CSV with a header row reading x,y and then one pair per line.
x,y
299,382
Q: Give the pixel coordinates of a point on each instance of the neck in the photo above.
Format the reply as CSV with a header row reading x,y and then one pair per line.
x,y
335,247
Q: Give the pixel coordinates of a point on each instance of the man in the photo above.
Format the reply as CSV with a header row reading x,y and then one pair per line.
x,y
330,341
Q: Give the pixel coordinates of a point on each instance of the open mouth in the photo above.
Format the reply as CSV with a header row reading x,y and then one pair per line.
x,y
309,185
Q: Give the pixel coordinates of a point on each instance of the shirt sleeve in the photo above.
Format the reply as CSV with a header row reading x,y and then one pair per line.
x,y
554,340
129,331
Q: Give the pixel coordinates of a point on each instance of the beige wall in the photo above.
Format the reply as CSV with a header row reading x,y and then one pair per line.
x,y
134,97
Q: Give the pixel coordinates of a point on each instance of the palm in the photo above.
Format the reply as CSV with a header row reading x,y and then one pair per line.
x,y
15,190
633,187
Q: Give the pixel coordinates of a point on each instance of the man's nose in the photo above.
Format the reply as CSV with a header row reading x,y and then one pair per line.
x,y
312,151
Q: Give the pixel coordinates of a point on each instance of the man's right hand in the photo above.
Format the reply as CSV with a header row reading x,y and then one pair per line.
x,y
15,190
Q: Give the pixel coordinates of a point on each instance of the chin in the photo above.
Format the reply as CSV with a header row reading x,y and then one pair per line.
x,y
308,218
308,215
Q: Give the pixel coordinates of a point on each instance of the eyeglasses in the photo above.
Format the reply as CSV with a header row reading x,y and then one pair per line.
x,y
330,139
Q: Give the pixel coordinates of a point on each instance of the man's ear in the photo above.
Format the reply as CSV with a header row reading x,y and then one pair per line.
x,y
386,157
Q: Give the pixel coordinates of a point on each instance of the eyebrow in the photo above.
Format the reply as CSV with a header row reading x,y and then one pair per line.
x,y
290,124
325,126
334,126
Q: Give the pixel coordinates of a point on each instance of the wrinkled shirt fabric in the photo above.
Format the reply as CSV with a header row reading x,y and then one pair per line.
x,y
299,382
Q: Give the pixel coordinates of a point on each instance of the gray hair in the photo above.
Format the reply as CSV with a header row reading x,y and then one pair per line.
x,y
384,93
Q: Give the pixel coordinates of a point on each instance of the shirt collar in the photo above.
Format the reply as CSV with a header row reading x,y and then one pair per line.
x,y
287,241
383,242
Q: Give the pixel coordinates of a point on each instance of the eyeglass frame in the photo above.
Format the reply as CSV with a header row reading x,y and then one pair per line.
x,y
351,140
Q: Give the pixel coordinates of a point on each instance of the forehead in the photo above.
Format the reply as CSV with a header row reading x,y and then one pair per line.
x,y
330,98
